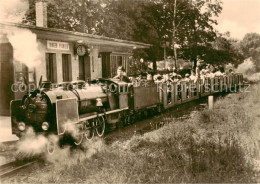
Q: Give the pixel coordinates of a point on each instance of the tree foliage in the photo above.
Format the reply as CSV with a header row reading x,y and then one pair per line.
x,y
190,29
196,32
250,46
222,51
68,14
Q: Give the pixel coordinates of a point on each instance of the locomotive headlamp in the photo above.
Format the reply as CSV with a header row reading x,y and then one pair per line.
x,y
99,102
45,126
21,126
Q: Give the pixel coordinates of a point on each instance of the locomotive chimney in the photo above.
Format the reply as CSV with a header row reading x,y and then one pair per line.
x,y
41,13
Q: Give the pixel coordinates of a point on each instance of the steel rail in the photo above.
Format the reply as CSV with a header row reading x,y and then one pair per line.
x,y
13,167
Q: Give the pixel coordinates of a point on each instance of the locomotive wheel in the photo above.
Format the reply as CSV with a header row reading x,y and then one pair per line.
x,y
159,108
146,113
143,115
100,126
131,119
139,116
126,120
89,130
51,145
79,137
121,121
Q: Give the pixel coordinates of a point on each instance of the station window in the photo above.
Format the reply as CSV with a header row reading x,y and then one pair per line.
x,y
119,61
81,68
51,67
23,74
113,65
115,62
66,67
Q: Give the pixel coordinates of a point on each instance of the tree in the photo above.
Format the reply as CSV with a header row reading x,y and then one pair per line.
x,y
137,21
196,32
187,24
73,15
250,46
118,20
222,51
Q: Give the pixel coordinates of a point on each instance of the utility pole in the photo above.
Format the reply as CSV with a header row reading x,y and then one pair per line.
x,y
195,43
174,34
164,55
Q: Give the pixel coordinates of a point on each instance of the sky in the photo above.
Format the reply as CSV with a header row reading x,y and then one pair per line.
x,y
13,10
239,17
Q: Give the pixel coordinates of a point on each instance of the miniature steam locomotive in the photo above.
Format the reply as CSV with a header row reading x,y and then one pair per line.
x,y
85,109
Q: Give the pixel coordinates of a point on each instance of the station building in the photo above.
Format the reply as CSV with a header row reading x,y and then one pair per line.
x,y
65,56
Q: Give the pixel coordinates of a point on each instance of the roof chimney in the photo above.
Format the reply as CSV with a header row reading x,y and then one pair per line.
x,y
41,13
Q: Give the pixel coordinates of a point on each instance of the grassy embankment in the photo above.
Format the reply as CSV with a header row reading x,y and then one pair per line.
x,y
220,145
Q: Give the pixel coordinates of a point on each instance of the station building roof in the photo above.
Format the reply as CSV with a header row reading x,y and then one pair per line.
x,y
64,35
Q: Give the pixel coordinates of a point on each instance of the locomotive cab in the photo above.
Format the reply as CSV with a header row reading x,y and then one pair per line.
x,y
118,97
116,90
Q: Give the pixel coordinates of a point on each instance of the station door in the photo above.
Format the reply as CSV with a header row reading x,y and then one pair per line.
x,y
6,77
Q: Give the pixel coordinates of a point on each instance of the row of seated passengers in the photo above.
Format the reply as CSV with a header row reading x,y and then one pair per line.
x,y
171,77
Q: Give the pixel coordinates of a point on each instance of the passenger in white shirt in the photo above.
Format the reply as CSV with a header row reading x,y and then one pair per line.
x,y
186,77
193,77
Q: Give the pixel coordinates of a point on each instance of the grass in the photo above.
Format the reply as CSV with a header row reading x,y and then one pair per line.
x,y
220,145
6,152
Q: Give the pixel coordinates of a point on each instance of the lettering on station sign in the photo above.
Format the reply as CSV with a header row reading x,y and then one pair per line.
x,y
57,45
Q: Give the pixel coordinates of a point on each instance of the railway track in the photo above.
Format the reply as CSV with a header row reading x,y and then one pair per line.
x,y
12,168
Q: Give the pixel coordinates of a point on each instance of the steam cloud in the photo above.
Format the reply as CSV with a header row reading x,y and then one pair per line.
x,y
26,48
248,69
65,156
24,42
88,148
31,145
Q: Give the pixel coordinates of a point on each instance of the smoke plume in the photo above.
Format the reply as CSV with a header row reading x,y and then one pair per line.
x,y
31,145
24,42
246,67
34,145
26,48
